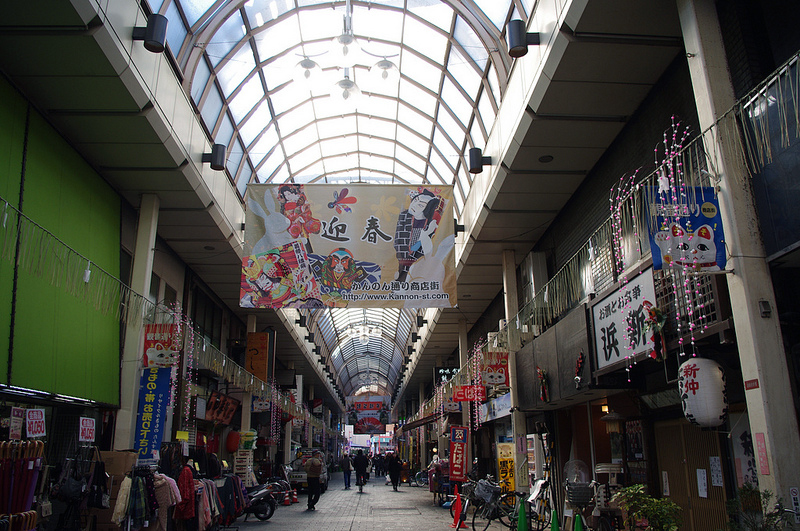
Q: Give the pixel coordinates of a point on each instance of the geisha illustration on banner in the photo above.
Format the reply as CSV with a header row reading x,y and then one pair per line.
x,y
360,245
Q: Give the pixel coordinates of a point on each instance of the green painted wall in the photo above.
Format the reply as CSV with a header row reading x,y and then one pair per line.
x,y
61,344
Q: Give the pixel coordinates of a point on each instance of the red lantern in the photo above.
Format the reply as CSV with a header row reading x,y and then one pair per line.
x,y
701,383
232,442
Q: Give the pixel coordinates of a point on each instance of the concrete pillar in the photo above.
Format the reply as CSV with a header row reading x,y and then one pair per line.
x,y
141,274
247,397
423,443
518,421
310,438
769,404
463,359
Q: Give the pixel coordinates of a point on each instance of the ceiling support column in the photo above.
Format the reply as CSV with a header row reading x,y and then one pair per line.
x,y
770,408
423,440
518,421
130,375
247,397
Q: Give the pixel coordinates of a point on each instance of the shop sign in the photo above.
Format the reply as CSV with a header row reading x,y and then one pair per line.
x,y
35,425
15,426
469,393
497,408
445,374
86,433
620,321
458,453
260,404
153,400
505,466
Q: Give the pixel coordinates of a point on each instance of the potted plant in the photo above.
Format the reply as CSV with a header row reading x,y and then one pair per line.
x,y
753,510
649,513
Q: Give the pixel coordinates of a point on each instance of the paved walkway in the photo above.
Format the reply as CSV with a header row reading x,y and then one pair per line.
x,y
378,508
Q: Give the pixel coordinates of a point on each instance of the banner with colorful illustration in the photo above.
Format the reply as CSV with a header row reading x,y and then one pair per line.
x,y
368,414
260,355
494,369
688,234
161,345
354,245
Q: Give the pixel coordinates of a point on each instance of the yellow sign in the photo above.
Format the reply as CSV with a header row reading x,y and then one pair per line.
x,y
182,436
505,466
257,360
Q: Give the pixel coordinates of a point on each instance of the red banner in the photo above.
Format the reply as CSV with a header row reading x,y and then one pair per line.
x,y
468,393
459,436
161,345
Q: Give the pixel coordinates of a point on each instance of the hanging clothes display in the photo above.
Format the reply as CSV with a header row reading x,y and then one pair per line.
x,y
144,500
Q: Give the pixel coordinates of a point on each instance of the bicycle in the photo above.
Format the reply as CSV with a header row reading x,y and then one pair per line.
x,y
495,506
421,479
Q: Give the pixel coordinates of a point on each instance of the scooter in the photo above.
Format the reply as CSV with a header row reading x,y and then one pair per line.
x,y
262,503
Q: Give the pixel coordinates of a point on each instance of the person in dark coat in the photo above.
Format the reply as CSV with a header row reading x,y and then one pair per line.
x,y
360,465
394,466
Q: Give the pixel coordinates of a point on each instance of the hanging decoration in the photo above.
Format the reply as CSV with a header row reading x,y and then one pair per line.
x,y
579,370
702,386
544,391
656,319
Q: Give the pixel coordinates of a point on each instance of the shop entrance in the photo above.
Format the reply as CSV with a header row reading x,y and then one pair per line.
x,y
690,473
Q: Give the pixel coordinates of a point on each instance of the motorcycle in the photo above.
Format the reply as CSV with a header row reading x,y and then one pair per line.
x,y
262,503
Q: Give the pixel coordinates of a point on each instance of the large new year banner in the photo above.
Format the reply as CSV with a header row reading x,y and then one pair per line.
x,y
355,245
368,414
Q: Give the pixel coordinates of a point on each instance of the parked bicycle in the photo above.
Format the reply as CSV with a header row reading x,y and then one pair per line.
x,y
495,506
420,479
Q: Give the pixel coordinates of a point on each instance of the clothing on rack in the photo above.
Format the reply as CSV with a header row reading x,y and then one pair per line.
x,y
144,500
185,509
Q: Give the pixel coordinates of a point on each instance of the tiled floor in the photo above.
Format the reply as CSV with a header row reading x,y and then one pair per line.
x,y
378,508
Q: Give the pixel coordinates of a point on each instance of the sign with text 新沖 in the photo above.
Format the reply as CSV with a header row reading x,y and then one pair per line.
x,y
620,321
357,246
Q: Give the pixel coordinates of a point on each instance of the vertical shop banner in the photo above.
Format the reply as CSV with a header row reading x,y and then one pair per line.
x,y
260,358
161,345
153,400
494,368
505,466
620,321
458,453
359,246
368,414
15,426
688,234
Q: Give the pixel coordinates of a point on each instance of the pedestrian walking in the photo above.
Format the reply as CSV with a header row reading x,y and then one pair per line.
x,y
360,464
314,467
347,467
394,466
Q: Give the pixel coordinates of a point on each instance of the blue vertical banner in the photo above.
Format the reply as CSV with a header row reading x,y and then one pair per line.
x,y
153,400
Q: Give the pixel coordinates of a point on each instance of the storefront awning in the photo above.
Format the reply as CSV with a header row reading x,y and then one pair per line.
x,y
417,423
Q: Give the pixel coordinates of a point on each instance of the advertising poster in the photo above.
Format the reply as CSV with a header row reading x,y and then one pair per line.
x,y
458,453
688,234
368,414
153,400
15,426
358,246
494,370
161,345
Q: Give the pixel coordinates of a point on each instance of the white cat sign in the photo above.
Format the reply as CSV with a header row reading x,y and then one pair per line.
x,y
689,238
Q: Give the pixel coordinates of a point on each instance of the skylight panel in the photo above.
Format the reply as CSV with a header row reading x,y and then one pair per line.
x,y
496,10
412,142
193,9
285,99
410,159
425,40
277,39
437,13
455,100
201,76
236,69
250,94
377,127
422,100
296,119
301,139
226,37
415,67
486,111
469,41
415,122
339,146
463,70
255,124
336,126
176,31
212,107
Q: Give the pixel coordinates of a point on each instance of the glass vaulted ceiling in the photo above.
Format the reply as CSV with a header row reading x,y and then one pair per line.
x,y
239,61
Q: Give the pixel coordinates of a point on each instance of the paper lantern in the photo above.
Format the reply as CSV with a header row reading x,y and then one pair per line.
x,y
701,383
232,442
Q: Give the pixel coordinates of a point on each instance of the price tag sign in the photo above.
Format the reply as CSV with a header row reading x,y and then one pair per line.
x,y
87,430
34,423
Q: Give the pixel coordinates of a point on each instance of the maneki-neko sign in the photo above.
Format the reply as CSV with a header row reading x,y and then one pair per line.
x,y
494,370
359,245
